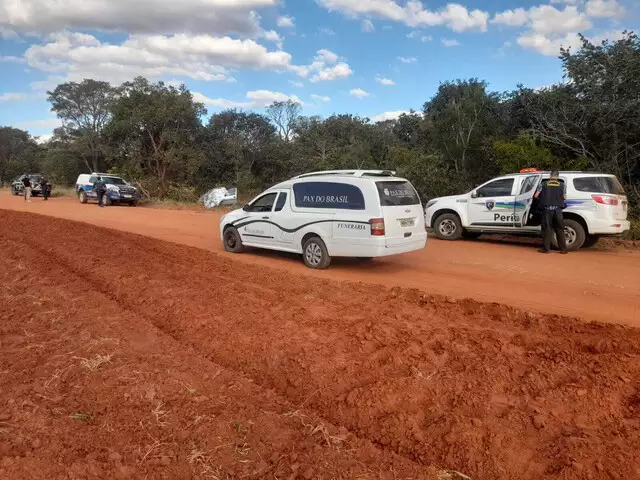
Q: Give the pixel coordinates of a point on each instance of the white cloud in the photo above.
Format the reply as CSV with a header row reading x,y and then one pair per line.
x,y
325,67
359,93
6,32
450,43
320,98
286,22
272,36
551,46
341,70
13,97
212,17
296,83
40,139
49,123
326,31
453,15
255,99
383,117
74,56
545,19
604,8
511,18
546,45
387,82
368,26
418,35
408,59
326,56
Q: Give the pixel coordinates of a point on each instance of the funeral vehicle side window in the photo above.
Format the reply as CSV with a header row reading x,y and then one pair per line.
x,y
263,204
497,188
328,195
282,199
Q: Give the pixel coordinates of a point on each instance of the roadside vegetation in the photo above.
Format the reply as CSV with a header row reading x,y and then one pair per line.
x,y
156,135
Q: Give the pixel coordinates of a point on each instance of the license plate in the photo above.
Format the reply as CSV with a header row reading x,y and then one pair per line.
x,y
407,222
127,196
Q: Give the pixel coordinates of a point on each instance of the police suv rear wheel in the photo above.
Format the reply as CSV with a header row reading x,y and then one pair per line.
x,y
82,197
448,227
315,254
575,235
232,241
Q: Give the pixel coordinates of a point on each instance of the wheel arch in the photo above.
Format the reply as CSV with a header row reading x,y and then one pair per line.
x,y
578,218
442,211
309,235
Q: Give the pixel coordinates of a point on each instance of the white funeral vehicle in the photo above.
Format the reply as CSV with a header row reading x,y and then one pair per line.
x,y
342,213
596,205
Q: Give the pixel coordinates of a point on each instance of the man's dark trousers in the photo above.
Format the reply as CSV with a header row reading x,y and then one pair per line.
x,y
101,198
552,220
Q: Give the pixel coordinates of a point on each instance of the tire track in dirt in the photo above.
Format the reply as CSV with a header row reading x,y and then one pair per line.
x,y
493,391
294,442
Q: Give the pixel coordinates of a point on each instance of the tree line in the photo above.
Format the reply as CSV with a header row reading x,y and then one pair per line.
x,y
156,135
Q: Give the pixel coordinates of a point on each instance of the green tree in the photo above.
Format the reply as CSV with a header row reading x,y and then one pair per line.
x,y
461,118
596,114
525,152
240,147
284,116
158,128
84,109
18,154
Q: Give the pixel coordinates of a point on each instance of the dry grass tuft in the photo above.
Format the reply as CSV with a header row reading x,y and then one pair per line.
x,y
201,463
160,414
93,363
321,430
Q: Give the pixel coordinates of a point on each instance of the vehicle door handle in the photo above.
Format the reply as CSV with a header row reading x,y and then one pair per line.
x,y
265,218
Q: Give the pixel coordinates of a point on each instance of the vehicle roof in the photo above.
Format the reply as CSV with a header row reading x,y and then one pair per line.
x,y
106,174
353,175
562,172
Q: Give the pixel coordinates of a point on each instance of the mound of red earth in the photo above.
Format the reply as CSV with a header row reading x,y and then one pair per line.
x,y
123,356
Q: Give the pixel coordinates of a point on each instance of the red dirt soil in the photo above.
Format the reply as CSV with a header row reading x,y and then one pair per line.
x,y
214,368
594,284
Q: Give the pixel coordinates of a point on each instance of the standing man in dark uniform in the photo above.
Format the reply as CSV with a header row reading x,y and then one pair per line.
x,y
551,196
45,187
100,188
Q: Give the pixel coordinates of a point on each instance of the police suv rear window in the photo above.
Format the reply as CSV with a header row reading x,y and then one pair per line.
x,y
394,193
598,185
328,195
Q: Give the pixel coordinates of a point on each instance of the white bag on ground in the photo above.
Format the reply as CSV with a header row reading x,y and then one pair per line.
x,y
219,196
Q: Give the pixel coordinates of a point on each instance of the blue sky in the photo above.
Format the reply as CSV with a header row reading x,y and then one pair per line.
x,y
375,58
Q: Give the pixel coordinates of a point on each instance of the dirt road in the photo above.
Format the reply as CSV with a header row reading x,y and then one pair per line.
x,y
592,284
127,357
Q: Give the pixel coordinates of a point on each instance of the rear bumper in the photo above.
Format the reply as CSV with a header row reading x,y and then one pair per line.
x,y
376,247
610,227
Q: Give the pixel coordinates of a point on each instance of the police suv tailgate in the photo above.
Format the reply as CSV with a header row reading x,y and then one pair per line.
x,y
402,212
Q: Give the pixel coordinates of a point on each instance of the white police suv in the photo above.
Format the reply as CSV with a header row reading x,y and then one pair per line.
x,y
596,205
118,190
342,213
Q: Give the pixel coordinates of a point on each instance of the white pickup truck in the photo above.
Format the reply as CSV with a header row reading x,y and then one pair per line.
x,y
596,205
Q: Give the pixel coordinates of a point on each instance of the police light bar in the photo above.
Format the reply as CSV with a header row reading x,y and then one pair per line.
x,y
527,170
